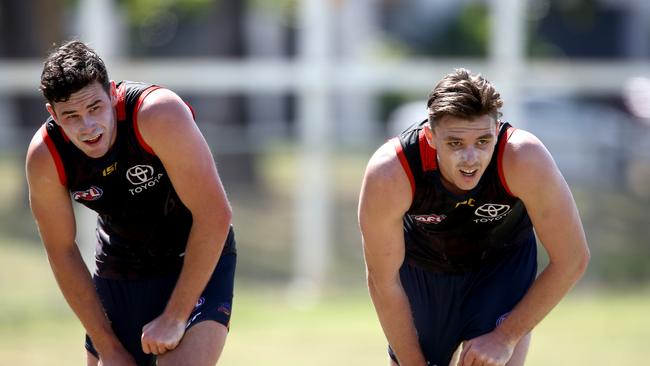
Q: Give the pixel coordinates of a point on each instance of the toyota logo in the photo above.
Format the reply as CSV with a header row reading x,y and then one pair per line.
x,y
492,210
139,174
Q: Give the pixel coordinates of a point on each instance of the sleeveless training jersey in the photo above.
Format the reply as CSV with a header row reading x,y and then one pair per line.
x,y
142,225
447,233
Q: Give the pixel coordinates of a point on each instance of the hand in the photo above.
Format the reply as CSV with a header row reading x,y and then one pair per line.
x,y
162,334
490,349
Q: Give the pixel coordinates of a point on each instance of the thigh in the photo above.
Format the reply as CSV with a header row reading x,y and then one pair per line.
x,y
208,324
434,299
201,346
215,302
497,289
129,305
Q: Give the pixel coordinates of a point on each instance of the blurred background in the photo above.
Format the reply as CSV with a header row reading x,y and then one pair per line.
x,y
293,97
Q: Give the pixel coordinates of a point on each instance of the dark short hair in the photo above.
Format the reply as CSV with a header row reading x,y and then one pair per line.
x,y
69,68
462,94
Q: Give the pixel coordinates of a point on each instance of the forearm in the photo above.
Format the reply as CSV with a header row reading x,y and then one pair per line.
x,y
545,293
204,246
394,312
77,287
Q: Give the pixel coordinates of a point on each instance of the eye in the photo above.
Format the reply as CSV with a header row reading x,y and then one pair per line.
x,y
454,144
71,117
94,108
482,142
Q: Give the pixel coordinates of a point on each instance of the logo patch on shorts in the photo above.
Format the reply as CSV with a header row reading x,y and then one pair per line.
x,y
224,308
200,302
189,322
502,318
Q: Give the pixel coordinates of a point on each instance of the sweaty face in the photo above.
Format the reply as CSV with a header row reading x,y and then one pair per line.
x,y
464,149
88,118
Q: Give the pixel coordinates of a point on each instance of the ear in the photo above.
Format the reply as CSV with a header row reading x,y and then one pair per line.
x,y
429,134
50,110
113,93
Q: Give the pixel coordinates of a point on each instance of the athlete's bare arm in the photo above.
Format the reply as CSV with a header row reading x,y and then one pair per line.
x,y
167,126
532,175
52,209
385,197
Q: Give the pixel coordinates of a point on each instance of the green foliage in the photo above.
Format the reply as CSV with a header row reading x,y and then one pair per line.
x,y
140,9
579,13
466,36
474,25
283,7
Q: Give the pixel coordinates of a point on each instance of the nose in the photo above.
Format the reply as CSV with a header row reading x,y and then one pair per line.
x,y
469,155
88,124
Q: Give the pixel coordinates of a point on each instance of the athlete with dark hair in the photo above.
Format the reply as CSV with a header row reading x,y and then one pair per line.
x,y
447,212
163,286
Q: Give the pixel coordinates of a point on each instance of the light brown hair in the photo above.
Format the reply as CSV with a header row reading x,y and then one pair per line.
x,y
464,95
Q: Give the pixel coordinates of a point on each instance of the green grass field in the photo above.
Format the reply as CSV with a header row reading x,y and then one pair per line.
x,y
37,328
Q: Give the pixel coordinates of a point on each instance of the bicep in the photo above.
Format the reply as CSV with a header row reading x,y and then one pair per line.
x,y
383,244
168,127
555,218
192,172
538,182
384,199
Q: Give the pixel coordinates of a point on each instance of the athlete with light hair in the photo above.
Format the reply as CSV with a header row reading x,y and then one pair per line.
x,y
447,211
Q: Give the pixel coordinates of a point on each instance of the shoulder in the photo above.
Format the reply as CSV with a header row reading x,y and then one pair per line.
x,y
524,148
161,114
384,166
162,105
385,179
39,163
37,150
527,163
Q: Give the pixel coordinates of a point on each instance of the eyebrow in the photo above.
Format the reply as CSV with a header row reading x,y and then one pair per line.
x,y
454,138
87,107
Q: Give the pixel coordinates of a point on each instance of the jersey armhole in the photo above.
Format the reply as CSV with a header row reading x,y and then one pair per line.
x,y
138,104
428,154
502,148
121,102
55,156
399,151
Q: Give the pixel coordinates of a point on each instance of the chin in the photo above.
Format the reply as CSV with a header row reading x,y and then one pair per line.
x,y
467,186
96,153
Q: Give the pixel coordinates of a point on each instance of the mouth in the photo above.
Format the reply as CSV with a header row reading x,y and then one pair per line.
x,y
93,139
468,172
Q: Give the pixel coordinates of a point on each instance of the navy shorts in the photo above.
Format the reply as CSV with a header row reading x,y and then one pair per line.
x,y
449,309
131,304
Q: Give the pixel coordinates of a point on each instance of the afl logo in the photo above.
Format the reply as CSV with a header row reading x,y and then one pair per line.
x,y
139,174
429,219
91,194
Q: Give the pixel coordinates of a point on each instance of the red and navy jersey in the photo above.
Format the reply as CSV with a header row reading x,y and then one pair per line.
x,y
445,232
142,225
